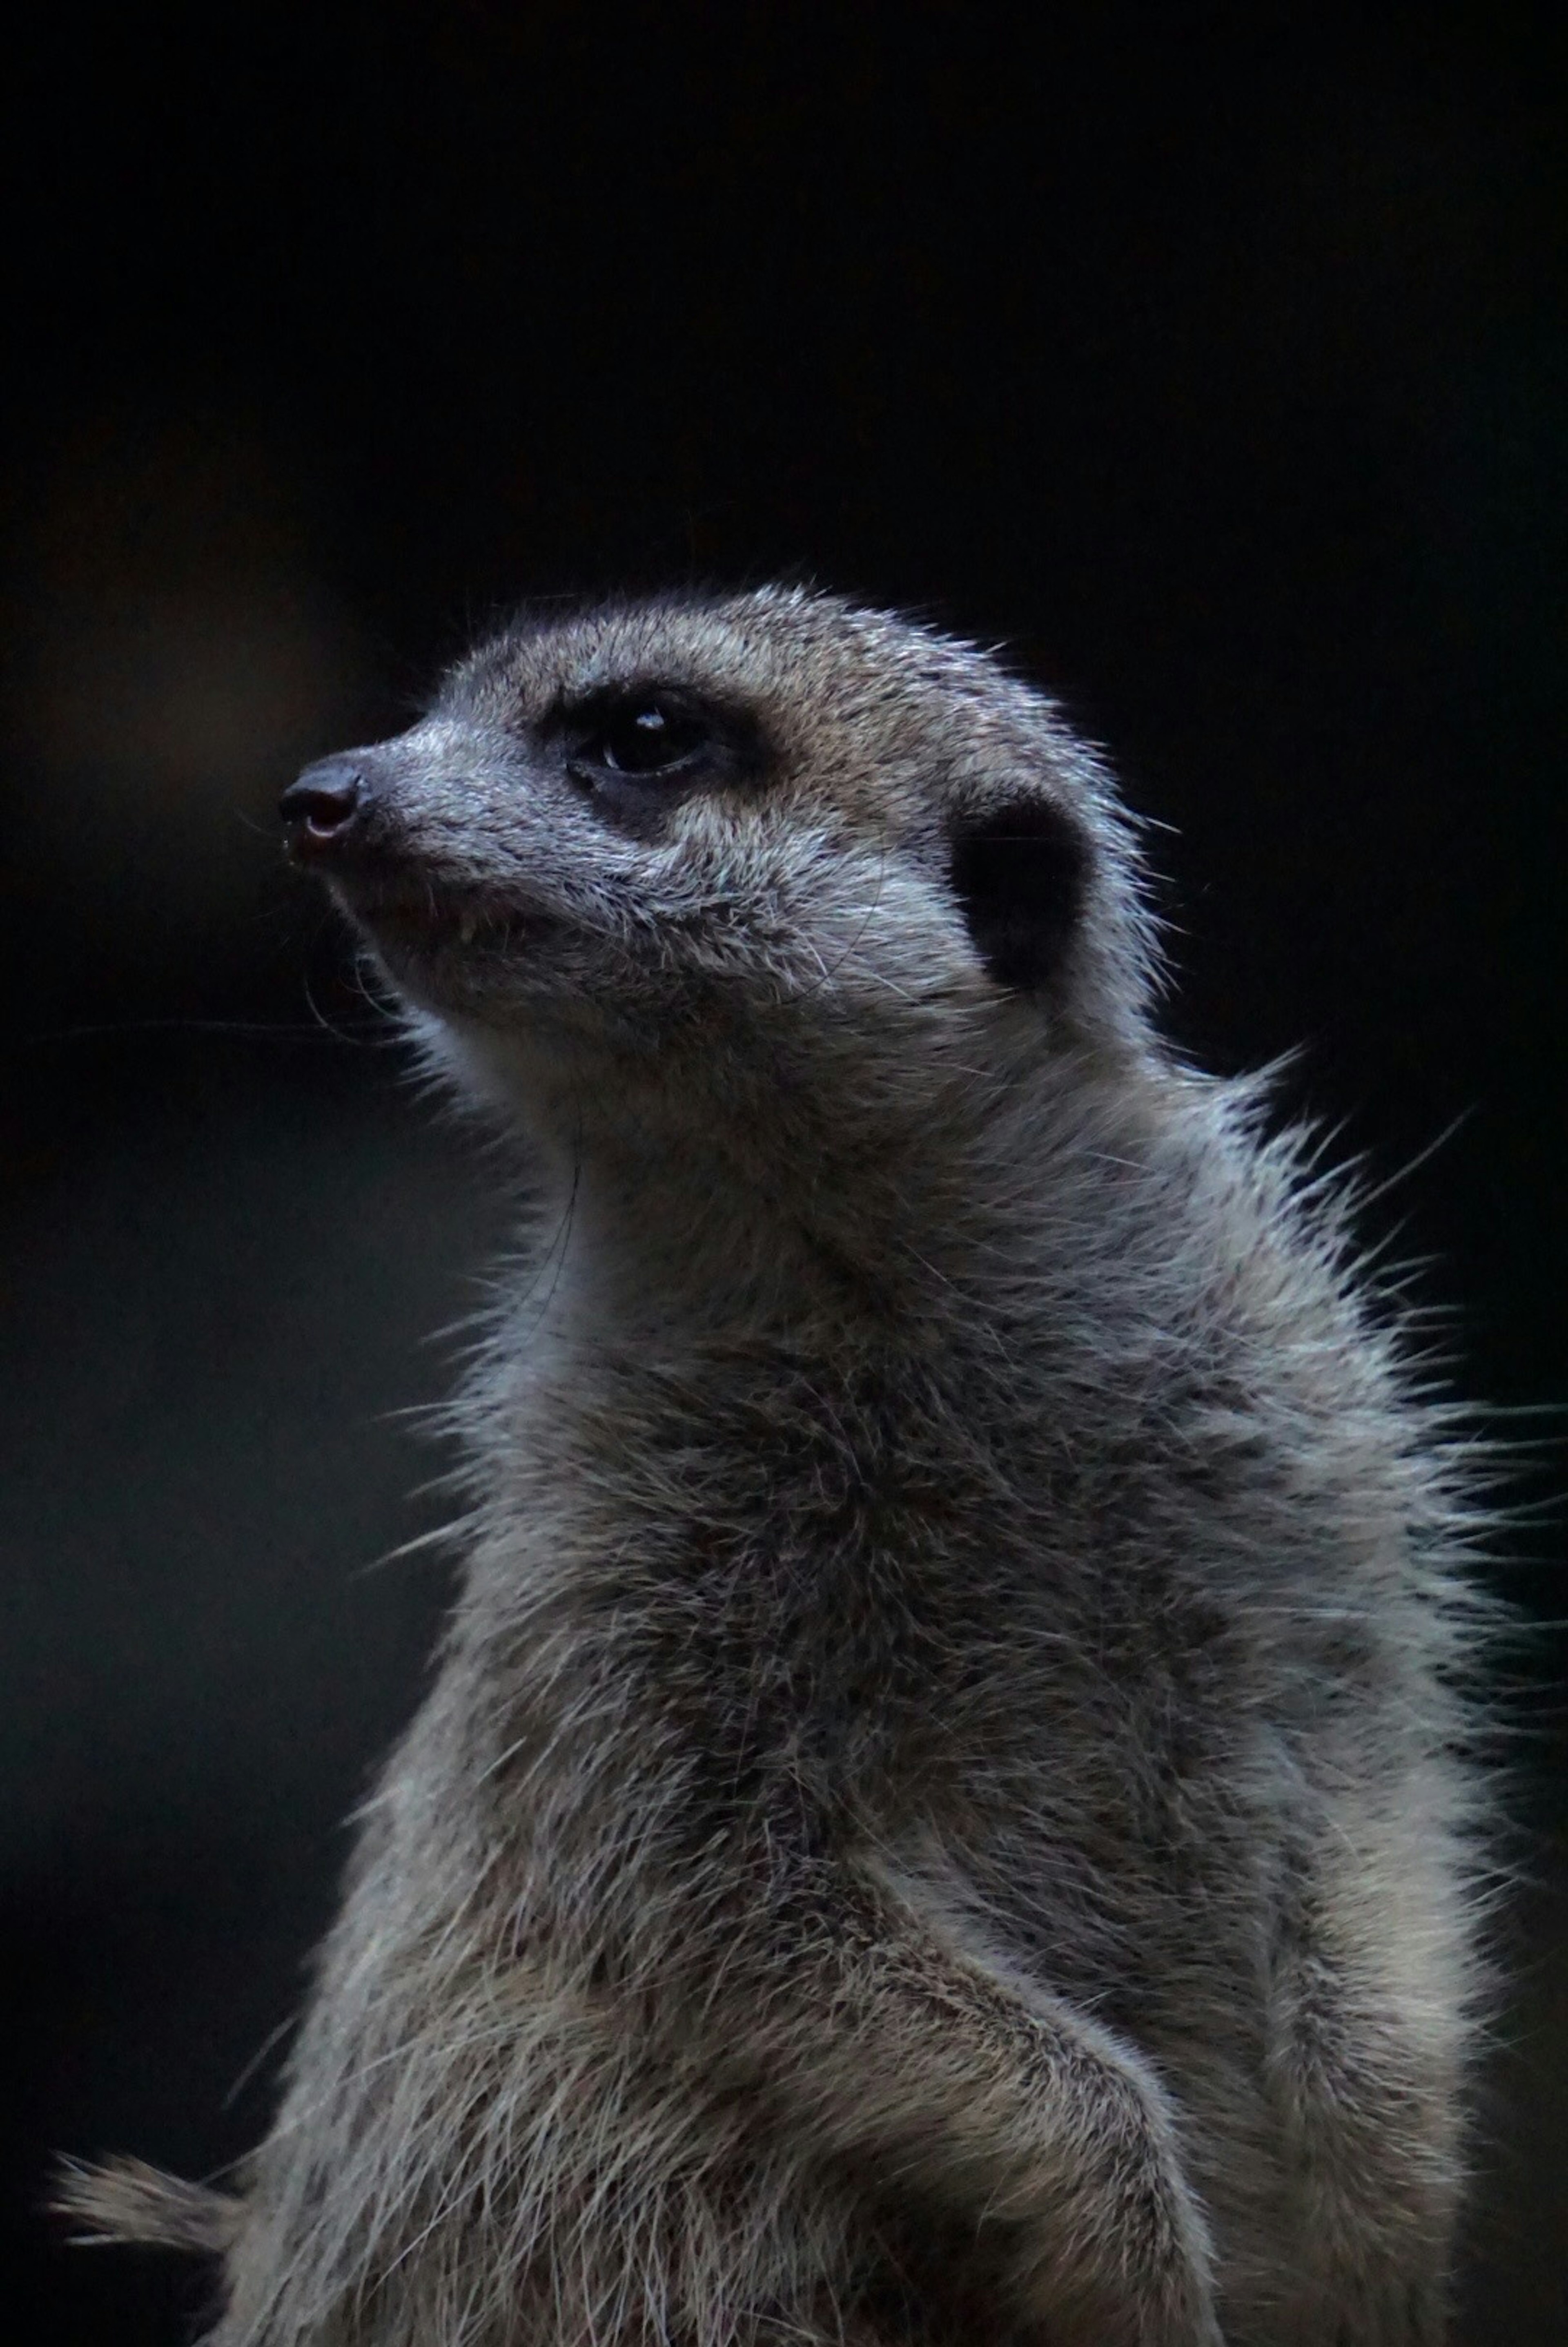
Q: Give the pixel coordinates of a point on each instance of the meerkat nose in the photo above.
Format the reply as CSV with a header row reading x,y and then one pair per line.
x,y
324,805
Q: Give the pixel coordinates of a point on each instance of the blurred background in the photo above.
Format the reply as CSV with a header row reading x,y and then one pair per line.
x,y
1216,361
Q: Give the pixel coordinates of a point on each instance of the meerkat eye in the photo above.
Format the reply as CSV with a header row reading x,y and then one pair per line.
x,y
650,735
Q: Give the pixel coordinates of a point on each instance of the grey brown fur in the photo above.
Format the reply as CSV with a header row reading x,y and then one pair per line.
x,y
942,1814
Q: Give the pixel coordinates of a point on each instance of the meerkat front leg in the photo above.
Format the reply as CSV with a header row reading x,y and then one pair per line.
x,y
1367,2025
901,2054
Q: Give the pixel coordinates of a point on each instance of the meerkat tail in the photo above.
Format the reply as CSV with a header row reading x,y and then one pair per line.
x,y
126,2201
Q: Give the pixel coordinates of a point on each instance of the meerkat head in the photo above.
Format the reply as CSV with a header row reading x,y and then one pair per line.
x,y
725,831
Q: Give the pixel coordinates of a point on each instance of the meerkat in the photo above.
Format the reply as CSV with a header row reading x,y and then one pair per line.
x,y
947,1812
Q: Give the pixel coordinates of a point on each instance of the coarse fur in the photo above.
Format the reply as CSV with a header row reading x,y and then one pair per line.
x,y
947,1812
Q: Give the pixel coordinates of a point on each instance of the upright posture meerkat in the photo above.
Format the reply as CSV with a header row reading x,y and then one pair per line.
x,y
943,1815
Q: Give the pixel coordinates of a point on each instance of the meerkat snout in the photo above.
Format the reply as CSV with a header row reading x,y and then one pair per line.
x,y
322,808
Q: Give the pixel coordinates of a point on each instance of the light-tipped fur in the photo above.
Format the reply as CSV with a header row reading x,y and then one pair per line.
x,y
126,2201
946,1810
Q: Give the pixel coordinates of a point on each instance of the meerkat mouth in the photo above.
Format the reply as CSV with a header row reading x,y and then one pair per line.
x,y
431,921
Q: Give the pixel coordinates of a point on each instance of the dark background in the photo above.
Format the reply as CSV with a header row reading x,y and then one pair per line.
x,y
1216,361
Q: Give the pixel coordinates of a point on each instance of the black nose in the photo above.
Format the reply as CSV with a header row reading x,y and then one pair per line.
x,y
325,805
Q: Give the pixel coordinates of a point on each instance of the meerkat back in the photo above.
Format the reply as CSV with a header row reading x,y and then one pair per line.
x,y
943,1813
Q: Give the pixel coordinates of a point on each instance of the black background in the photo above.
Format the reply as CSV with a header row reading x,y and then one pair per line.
x,y
1216,361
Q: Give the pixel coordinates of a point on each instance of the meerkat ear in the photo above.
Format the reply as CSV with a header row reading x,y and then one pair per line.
x,y
1019,871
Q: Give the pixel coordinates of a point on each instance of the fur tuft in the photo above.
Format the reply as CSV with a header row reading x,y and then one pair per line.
x,y
127,2200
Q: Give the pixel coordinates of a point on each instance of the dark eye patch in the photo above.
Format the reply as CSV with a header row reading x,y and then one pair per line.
x,y
639,745
650,734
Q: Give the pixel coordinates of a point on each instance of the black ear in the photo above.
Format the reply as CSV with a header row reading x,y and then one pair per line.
x,y
1019,871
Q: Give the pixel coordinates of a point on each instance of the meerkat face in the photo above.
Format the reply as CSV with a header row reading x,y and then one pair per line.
x,y
653,825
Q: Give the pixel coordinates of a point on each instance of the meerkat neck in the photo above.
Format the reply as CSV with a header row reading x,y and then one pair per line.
x,y
880,1233
808,1184
660,1243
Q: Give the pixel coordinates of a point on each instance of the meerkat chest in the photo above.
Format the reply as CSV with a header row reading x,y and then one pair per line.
x,y
856,1582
